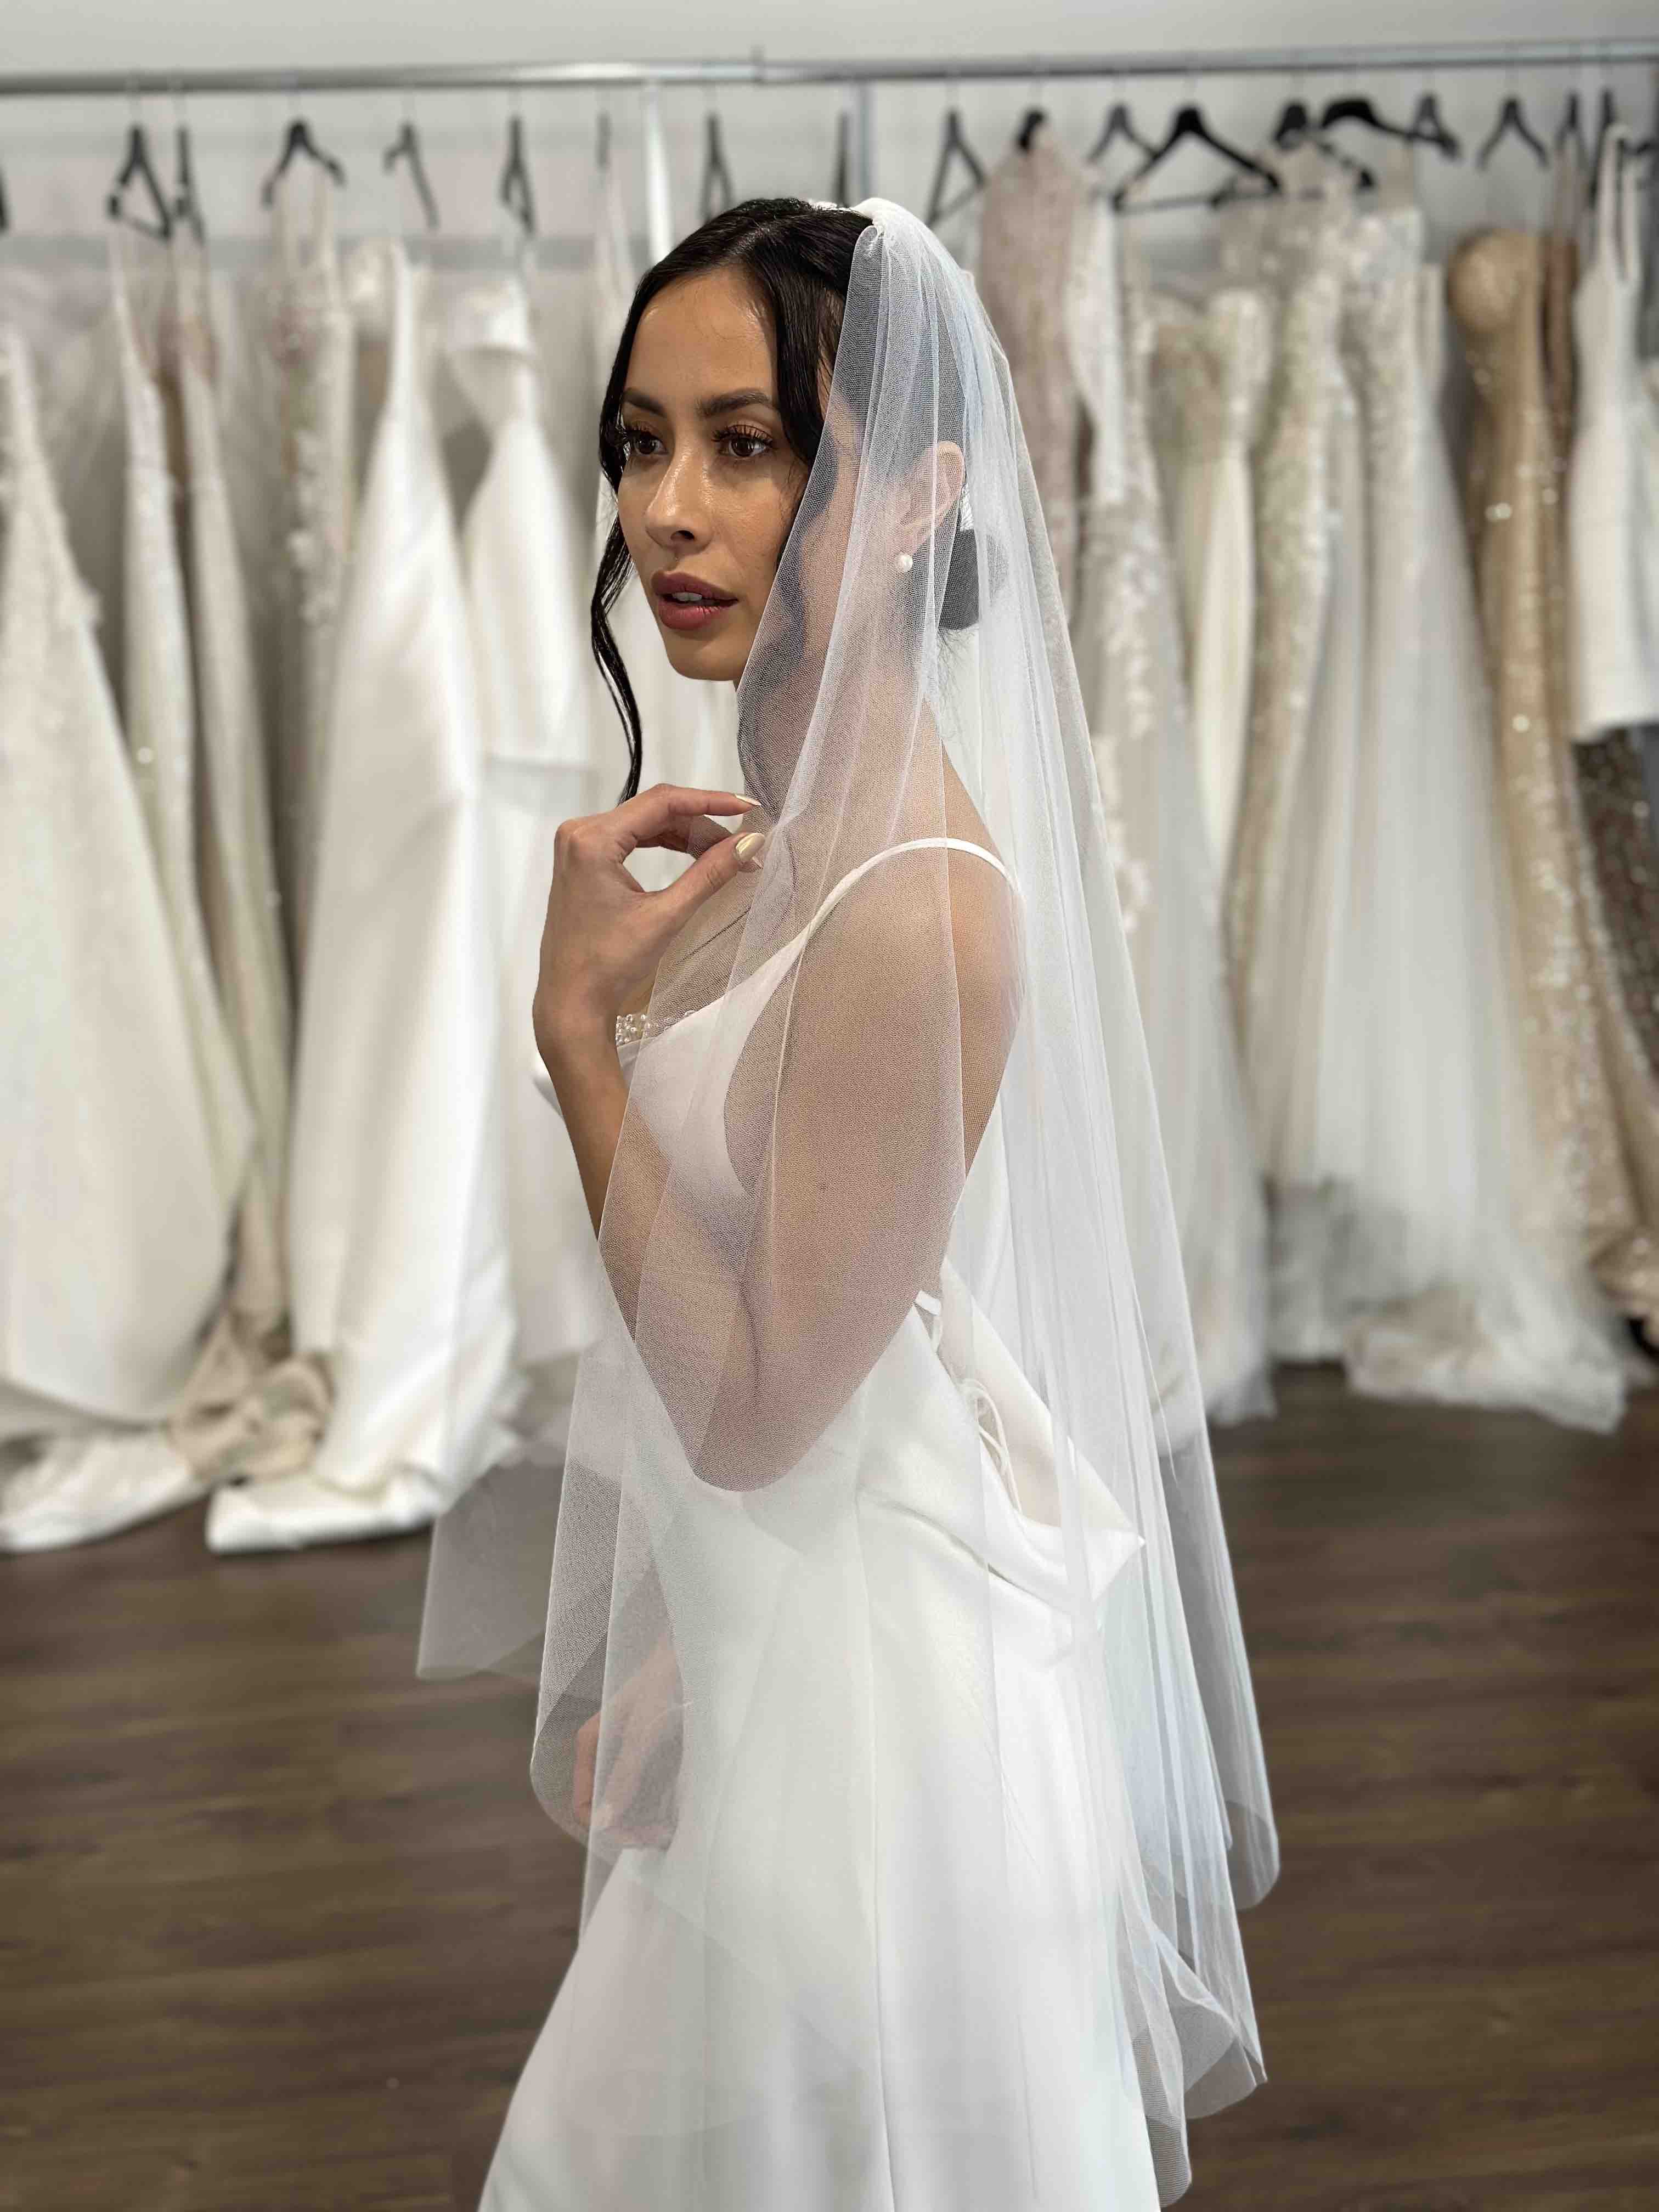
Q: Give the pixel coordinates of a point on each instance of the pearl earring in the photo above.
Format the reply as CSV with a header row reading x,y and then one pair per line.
x,y
903,564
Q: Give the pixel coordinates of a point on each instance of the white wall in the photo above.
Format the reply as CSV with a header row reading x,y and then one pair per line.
x,y
57,157
42,34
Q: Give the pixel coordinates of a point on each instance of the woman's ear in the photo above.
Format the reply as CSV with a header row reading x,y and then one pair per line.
x,y
934,488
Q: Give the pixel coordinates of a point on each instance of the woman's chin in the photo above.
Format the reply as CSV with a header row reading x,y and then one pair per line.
x,y
706,659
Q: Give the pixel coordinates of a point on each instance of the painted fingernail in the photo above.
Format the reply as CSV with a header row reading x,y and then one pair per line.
x,y
748,856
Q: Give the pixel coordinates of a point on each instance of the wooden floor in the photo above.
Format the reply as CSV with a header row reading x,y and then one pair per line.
x,y
278,1923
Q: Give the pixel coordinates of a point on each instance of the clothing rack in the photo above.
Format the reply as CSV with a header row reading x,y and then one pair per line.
x,y
601,76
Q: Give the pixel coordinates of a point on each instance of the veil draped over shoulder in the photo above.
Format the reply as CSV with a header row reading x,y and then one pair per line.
x,y
886,1484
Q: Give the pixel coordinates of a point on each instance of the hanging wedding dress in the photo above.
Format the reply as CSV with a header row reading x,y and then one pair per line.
x,y
1299,988
161,737
402,1273
689,730
927,1781
525,553
1030,216
1495,284
241,903
1447,1285
1207,393
1612,483
1129,656
309,343
113,1261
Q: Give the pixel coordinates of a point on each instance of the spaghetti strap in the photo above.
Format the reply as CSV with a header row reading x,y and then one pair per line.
x,y
910,845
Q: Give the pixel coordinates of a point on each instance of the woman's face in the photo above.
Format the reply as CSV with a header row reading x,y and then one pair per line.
x,y
710,483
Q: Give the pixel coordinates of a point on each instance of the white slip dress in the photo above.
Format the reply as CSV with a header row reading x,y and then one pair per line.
x,y
781,2091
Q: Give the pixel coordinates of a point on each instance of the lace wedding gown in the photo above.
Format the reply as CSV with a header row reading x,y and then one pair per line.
x,y
788,2101
397,1201
1128,654
113,1259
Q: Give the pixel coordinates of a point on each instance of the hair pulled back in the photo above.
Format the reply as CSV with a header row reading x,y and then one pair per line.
x,y
799,258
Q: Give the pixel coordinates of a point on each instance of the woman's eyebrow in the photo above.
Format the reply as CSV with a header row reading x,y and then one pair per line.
x,y
723,402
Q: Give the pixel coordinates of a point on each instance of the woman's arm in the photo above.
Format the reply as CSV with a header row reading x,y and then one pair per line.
x,y
898,1030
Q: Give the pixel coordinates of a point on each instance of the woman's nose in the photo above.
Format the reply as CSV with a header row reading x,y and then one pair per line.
x,y
675,508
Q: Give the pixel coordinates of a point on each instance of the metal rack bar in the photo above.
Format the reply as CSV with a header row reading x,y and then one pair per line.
x,y
523,77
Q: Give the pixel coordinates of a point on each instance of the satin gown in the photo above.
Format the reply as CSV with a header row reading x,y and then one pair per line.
x,y
402,1281
723,2036
524,548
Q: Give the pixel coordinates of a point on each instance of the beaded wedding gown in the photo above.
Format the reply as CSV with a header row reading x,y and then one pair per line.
x,y
1207,393
1297,989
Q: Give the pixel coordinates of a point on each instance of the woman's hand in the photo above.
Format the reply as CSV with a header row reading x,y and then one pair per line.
x,y
603,934
642,1719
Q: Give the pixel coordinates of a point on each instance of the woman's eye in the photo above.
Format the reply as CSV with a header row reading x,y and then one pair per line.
x,y
746,445
642,442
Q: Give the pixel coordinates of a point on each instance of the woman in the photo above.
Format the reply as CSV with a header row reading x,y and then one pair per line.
x,y
892,1673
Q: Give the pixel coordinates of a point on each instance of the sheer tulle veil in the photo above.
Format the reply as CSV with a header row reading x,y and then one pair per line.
x,y
824,1326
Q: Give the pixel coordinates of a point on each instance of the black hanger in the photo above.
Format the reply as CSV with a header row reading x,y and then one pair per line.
x,y
186,205
1429,129
716,177
1511,123
137,165
1605,121
953,143
1355,107
1296,127
1030,123
1570,130
841,190
297,139
515,194
1118,124
1189,123
406,146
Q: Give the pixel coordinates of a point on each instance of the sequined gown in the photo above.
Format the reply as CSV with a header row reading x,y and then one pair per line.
x,y
1496,287
1296,986
309,343
1208,392
1439,1287
1129,670
1033,203
241,904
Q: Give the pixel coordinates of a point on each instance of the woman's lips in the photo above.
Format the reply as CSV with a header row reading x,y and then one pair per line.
x,y
688,614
